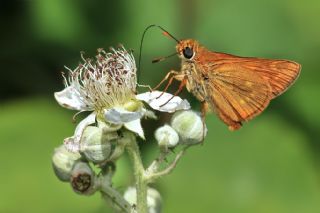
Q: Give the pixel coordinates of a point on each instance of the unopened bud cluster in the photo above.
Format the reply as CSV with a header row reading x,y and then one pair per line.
x,y
99,145
186,128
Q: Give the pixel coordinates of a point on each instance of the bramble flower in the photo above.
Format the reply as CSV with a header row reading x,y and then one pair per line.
x,y
106,86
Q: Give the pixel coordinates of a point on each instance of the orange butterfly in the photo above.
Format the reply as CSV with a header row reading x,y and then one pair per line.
x,y
235,88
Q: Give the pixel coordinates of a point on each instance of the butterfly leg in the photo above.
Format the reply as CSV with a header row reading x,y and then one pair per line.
x,y
145,86
183,79
176,76
167,86
166,78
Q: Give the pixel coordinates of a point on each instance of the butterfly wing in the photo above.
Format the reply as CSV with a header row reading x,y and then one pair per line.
x,y
236,94
280,74
239,88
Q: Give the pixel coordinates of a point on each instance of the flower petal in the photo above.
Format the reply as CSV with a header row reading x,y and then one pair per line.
x,y
176,103
118,115
71,99
72,144
135,126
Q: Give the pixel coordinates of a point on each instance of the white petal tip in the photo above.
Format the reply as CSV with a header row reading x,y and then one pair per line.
x,y
70,99
157,100
72,144
118,115
135,126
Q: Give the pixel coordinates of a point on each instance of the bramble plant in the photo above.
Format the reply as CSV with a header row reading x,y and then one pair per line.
x,y
106,87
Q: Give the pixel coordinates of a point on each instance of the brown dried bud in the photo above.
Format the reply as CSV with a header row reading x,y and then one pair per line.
x,y
82,179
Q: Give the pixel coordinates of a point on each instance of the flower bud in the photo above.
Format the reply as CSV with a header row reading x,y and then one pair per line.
x,y
96,145
153,199
167,137
63,162
82,179
189,126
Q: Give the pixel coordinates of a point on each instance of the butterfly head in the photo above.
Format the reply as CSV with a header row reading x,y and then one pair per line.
x,y
187,49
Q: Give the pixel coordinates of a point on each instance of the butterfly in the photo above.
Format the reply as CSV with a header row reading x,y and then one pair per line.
x,y
236,88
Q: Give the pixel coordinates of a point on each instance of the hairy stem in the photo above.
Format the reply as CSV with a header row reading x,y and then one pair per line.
x,y
152,177
154,166
112,195
139,174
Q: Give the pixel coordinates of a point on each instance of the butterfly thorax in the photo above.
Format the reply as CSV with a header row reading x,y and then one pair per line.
x,y
195,83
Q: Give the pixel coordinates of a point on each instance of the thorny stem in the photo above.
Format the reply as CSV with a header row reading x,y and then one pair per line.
x,y
139,174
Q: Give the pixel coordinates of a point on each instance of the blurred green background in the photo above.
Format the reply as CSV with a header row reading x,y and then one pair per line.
x,y
271,165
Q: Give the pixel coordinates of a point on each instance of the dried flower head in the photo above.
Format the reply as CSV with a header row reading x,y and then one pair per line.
x,y
108,80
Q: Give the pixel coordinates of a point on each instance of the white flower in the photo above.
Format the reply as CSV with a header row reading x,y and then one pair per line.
x,y
108,80
106,86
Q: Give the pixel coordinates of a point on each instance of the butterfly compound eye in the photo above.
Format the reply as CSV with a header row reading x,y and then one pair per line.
x,y
187,52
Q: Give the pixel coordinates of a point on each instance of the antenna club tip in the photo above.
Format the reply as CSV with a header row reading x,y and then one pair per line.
x,y
166,34
156,60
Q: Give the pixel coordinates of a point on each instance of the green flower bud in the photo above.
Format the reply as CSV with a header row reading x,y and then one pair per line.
x,y
82,179
153,199
63,162
167,137
189,126
96,144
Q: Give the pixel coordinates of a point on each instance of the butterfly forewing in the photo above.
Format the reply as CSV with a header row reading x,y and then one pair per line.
x,y
279,73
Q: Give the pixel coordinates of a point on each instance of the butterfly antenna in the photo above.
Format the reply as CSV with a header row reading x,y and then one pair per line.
x,y
156,60
166,33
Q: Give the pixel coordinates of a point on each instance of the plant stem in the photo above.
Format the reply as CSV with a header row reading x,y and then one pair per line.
x,y
110,194
139,174
153,176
